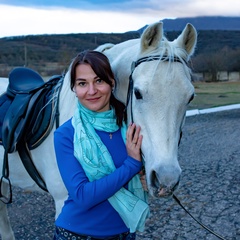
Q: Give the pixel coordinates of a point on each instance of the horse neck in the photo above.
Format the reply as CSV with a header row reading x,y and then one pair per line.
x,y
67,101
121,57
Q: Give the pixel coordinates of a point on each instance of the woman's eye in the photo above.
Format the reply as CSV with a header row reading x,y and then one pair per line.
x,y
81,84
99,80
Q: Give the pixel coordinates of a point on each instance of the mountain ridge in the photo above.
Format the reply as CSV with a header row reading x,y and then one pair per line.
x,y
201,23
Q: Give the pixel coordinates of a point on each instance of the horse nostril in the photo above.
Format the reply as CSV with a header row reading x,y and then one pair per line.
x,y
163,184
154,180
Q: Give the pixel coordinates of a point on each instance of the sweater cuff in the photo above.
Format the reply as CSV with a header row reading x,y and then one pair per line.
x,y
134,164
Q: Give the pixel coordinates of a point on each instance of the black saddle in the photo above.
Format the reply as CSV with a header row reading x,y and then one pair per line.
x,y
24,80
28,108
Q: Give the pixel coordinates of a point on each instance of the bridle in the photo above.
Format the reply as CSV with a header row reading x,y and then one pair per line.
x,y
163,58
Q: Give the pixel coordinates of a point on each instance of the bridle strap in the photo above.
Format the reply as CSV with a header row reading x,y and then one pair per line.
x,y
162,58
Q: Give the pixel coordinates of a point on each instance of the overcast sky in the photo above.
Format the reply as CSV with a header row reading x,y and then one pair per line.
x,y
26,17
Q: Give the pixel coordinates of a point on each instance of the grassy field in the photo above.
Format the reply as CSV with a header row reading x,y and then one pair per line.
x,y
207,94
215,94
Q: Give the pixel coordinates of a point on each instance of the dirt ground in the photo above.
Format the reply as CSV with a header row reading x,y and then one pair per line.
x,y
209,155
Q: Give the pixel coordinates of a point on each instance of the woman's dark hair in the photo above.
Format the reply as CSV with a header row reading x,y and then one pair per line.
x,y
101,66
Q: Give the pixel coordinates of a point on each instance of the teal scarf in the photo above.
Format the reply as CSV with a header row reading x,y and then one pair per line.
x,y
97,163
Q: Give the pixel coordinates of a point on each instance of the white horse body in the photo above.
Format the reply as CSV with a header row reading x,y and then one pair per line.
x,y
3,85
165,89
44,160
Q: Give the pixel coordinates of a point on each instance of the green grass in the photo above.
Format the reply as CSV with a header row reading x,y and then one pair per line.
x,y
217,94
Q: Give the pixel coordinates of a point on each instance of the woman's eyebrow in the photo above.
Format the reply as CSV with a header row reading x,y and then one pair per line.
x,y
84,79
80,79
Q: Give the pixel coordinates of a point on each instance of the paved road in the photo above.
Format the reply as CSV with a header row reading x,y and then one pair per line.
x,y
210,188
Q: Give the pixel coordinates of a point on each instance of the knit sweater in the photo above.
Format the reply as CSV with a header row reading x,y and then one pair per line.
x,y
87,210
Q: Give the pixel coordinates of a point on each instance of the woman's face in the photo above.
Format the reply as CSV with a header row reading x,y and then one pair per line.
x,y
92,92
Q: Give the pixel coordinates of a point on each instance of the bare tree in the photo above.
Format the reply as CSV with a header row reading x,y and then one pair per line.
x,y
224,60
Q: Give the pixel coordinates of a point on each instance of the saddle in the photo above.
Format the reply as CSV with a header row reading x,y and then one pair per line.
x,y
29,109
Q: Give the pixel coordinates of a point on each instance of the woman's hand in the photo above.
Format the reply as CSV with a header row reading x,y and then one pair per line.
x,y
134,142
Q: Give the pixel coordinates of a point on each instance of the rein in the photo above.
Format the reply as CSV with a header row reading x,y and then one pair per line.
x,y
163,58
201,224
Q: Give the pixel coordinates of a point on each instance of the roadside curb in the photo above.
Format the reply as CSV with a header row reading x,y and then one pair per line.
x,y
211,110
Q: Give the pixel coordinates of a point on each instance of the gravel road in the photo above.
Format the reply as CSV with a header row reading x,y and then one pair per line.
x,y
209,155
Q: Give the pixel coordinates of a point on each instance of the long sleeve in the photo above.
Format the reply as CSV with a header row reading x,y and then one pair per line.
x,y
89,194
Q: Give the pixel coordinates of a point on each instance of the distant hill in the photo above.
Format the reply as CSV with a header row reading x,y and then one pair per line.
x,y
202,23
51,54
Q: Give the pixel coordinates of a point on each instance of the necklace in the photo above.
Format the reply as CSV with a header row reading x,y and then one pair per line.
x,y
110,135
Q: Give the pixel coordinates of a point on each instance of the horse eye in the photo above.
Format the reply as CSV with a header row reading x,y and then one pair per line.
x,y
191,98
137,93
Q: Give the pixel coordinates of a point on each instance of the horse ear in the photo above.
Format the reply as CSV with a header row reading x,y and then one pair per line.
x,y
188,39
151,36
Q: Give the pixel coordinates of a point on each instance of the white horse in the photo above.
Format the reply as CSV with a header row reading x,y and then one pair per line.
x,y
3,84
158,100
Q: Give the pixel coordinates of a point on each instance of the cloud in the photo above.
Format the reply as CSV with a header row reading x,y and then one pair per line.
x,y
60,16
223,7
213,8
25,21
130,6
107,5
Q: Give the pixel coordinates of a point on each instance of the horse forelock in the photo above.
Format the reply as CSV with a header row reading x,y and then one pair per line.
x,y
166,50
169,53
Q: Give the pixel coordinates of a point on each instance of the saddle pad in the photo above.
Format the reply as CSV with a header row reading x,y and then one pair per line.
x,y
5,103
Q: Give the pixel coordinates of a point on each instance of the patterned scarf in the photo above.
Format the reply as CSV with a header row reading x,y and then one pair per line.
x,y
97,162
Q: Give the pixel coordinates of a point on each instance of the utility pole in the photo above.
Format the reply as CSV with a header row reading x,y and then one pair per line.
x,y
25,54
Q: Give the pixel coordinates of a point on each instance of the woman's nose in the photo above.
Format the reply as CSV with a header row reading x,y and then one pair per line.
x,y
92,89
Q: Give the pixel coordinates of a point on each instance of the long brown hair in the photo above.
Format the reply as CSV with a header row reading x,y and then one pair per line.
x,y
101,66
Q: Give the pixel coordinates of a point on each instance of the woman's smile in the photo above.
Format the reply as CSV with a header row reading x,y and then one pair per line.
x,y
93,99
92,92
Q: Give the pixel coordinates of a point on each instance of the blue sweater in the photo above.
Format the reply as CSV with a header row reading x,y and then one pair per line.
x,y
87,210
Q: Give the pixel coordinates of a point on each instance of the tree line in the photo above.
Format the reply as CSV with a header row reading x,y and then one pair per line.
x,y
51,54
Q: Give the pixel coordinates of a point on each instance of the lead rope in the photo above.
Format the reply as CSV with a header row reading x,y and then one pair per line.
x,y
180,204
201,224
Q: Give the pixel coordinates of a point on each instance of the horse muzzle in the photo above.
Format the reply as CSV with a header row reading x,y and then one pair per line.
x,y
163,184
164,191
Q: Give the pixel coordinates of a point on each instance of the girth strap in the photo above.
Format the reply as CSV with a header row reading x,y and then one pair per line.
x,y
26,157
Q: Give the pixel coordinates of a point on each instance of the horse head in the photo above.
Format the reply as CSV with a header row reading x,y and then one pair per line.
x,y
159,91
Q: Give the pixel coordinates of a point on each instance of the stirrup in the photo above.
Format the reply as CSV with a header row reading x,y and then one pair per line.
x,y
8,198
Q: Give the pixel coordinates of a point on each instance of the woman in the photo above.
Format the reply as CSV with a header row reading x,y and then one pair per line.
x,y
99,159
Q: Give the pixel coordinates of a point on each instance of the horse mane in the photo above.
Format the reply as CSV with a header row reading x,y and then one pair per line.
x,y
102,48
170,50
